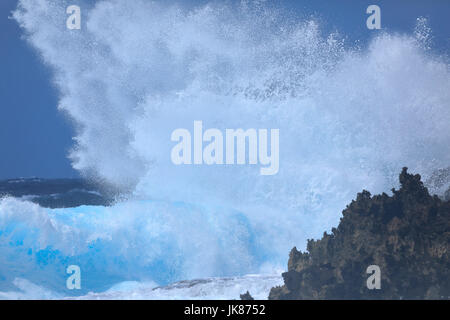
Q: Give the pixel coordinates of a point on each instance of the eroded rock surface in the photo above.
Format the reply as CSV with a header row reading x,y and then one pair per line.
x,y
407,235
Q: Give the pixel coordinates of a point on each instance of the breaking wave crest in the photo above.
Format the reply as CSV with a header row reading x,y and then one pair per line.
x,y
349,119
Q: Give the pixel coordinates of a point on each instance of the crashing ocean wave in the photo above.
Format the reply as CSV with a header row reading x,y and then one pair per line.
x,y
350,118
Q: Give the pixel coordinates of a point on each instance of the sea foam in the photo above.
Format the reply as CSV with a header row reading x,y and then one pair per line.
x,y
349,118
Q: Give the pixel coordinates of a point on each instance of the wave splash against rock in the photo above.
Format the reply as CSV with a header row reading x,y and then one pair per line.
x,y
407,235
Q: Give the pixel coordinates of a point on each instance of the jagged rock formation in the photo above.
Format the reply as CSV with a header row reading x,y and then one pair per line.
x,y
407,235
246,296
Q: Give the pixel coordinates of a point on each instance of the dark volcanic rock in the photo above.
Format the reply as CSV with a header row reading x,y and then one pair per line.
x,y
246,296
57,193
407,235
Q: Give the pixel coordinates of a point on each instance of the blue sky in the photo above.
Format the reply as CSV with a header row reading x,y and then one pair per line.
x,y
35,138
